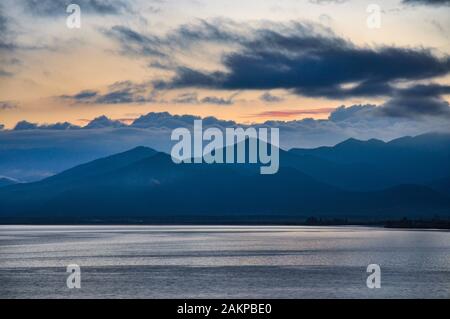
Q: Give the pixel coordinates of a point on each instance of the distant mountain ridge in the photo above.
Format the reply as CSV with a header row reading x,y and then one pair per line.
x,y
143,185
374,164
4,181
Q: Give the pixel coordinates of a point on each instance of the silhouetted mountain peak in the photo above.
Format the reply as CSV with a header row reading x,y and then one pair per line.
x,y
5,181
105,164
366,179
141,149
353,142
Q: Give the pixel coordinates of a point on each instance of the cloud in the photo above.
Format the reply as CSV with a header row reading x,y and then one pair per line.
x,y
416,102
124,92
428,2
269,98
85,95
181,39
192,98
216,100
292,113
100,122
103,122
161,65
438,26
4,73
127,92
343,113
7,105
25,125
58,7
165,120
313,62
186,98
154,129
119,97
419,100
303,58
135,43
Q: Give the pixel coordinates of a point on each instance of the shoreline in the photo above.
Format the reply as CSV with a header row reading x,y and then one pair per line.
x,y
388,224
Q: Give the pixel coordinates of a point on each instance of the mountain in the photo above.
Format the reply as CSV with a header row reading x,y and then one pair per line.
x,y
375,165
4,181
32,155
103,165
442,185
142,185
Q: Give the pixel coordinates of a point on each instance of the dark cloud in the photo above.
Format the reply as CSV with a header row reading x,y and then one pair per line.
x,y
419,100
112,97
407,106
343,113
125,92
192,98
313,63
135,43
58,7
83,96
324,2
154,129
119,97
7,105
3,21
4,73
186,98
216,100
182,38
322,72
415,102
307,60
165,120
268,97
161,65
428,2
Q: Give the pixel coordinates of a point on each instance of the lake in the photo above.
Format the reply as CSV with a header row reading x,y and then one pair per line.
x,y
222,262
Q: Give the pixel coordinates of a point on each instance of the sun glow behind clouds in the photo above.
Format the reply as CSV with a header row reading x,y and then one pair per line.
x,y
51,60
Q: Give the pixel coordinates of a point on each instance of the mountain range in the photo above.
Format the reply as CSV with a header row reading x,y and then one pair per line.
x,y
4,181
355,180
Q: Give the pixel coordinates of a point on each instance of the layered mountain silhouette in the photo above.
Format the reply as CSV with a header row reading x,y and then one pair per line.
x,y
374,164
356,180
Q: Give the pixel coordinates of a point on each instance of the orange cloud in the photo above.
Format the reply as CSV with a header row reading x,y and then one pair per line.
x,y
292,113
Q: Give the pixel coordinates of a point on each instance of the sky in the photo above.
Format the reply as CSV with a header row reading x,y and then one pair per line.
x,y
297,63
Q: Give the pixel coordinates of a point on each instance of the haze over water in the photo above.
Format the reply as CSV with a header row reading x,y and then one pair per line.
x,y
222,262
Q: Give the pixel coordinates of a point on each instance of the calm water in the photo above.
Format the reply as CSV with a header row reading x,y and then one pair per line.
x,y
222,262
